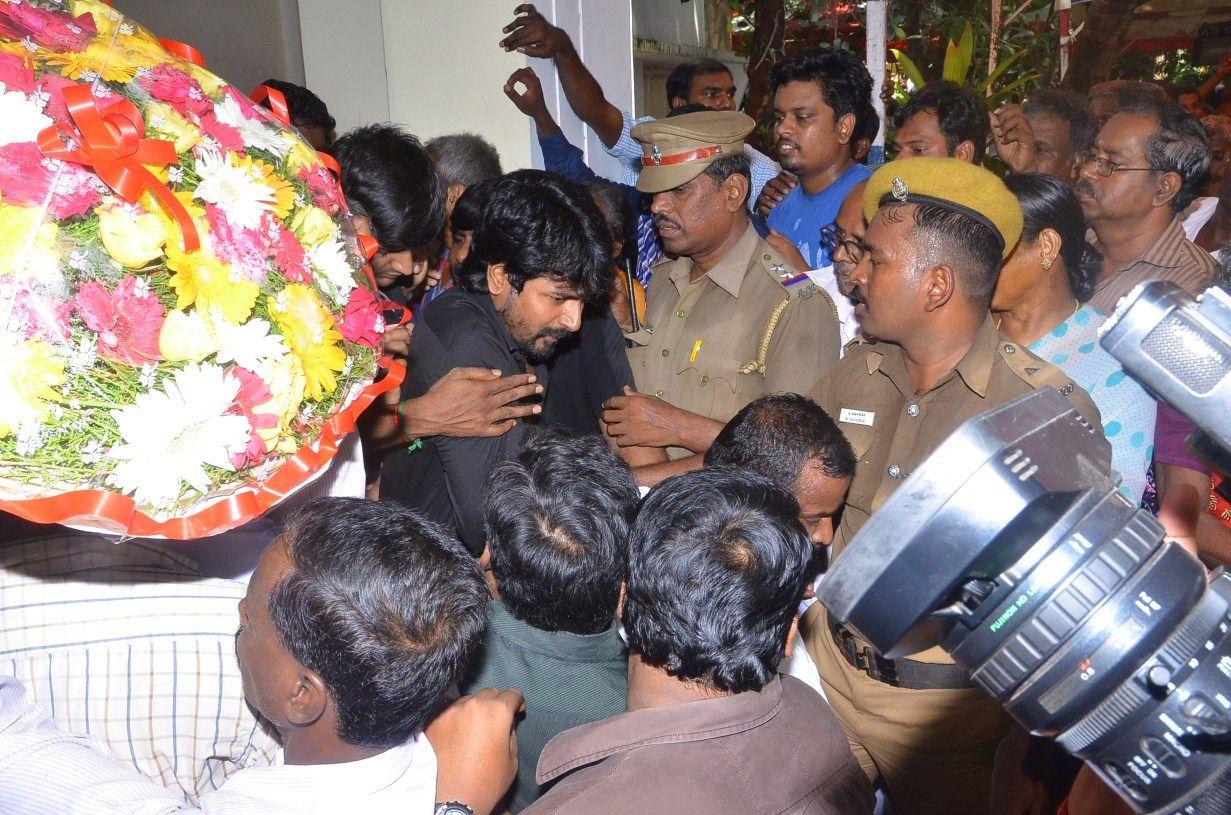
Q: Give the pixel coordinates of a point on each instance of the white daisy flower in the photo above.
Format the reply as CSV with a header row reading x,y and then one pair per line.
x,y
254,133
241,195
329,258
169,436
175,174
21,119
248,345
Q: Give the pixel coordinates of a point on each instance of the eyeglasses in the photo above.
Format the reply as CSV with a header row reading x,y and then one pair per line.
x,y
833,238
1105,167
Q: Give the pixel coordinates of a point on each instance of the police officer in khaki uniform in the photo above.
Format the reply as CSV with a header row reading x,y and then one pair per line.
x,y
938,230
728,319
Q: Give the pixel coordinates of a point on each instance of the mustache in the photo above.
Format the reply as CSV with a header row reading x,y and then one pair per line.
x,y
788,143
1084,186
857,296
556,334
663,219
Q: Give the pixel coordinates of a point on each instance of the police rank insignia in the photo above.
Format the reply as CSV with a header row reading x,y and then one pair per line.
x,y
898,189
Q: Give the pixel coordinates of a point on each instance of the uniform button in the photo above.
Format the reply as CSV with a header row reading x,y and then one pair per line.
x,y
659,393
705,380
679,313
912,411
666,353
895,471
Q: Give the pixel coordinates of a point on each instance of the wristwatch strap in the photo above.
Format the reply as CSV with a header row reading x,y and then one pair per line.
x,y
453,808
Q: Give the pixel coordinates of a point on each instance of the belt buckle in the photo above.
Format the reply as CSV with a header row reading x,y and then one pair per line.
x,y
881,669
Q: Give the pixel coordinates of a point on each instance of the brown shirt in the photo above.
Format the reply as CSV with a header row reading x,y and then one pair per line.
x,y
713,345
1172,257
777,750
892,429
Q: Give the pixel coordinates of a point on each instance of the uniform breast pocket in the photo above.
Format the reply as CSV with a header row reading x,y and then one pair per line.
x,y
866,480
713,379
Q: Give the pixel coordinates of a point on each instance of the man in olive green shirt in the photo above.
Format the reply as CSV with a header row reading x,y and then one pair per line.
x,y
551,630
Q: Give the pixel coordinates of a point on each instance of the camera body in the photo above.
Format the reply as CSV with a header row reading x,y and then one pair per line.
x,y
1012,548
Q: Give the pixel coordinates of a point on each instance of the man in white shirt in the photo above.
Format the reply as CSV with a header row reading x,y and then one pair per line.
x,y
357,620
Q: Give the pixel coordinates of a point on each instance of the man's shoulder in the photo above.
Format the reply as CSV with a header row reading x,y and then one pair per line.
x,y
456,319
1032,371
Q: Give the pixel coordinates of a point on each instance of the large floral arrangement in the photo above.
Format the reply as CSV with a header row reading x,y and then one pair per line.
x,y
183,309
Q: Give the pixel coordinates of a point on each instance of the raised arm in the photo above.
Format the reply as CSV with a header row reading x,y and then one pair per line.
x,y
531,34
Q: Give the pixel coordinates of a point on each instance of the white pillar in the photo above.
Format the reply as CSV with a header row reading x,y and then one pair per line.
x,y
878,13
602,31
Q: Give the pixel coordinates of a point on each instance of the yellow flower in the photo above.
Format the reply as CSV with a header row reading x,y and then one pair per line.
x,y
313,225
132,237
105,18
27,244
286,382
309,331
166,123
98,58
201,279
29,375
187,336
169,225
284,193
300,156
211,86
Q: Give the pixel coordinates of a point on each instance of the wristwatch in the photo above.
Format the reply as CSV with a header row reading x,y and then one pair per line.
x,y
453,808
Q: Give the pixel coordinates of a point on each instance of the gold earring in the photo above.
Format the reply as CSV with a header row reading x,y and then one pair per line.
x,y
1046,264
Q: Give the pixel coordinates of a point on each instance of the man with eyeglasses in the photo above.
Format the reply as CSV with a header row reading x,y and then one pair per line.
x,y
845,243
1148,163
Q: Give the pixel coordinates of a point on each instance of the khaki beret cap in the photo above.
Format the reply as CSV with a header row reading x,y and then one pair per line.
x,y
950,183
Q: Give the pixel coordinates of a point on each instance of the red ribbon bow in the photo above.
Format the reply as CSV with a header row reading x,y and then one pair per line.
x,y
113,143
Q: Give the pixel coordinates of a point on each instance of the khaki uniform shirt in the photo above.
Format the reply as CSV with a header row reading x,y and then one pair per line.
x,y
1173,257
713,345
893,430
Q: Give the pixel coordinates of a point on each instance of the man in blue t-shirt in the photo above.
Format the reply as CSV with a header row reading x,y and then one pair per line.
x,y
821,97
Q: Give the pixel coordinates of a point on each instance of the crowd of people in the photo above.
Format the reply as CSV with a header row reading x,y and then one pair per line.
x,y
569,566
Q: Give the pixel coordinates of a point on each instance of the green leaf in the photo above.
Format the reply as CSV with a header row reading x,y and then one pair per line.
x,y
996,74
966,51
908,68
950,69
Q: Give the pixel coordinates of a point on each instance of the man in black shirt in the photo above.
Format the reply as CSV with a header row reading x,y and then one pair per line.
x,y
540,252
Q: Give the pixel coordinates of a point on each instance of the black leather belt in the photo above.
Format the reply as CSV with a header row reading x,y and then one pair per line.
x,y
899,673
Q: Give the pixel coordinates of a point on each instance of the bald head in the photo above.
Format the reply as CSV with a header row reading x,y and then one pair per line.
x,y
850,227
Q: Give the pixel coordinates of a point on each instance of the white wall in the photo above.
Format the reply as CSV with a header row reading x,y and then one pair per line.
x,y
243,41
344,59
436,67
601,30
446,72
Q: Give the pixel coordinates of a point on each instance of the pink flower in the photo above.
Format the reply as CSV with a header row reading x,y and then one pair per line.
x,y
127,320
362,322
326,192
290,258
27,176
36,316
246,249
224,134
179,90
253,392
23,176
250,109
16,73
50,29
